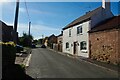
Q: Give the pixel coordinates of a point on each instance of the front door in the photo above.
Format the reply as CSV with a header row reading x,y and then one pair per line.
x,y
75,48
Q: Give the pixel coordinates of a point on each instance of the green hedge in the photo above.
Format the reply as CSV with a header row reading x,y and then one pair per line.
x,y
8,53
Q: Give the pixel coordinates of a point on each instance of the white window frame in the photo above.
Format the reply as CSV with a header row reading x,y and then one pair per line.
x,y
83,45
79,30
67,45
69,32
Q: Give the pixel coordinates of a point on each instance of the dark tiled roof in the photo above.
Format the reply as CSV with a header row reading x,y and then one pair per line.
x,y
83,18
112,23
2,23
60,35
51,36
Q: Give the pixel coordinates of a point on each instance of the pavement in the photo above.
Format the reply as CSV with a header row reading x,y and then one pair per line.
x,y
23,57
46,63
16,71
102,64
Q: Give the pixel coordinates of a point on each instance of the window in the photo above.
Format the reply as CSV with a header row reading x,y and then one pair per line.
x,y
83,45
79,29
67,45
69,32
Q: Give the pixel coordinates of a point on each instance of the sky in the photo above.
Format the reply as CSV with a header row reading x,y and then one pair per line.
x,y
47,18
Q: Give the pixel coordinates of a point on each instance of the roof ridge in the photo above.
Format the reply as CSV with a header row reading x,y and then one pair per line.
x,y
82,18
110,23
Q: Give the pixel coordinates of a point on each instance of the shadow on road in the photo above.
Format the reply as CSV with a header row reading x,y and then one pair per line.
x,y
15,72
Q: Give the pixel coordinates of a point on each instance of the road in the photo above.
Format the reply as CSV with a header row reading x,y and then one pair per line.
x,y
45,63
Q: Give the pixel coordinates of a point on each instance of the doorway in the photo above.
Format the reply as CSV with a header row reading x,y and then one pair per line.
x,y
75,48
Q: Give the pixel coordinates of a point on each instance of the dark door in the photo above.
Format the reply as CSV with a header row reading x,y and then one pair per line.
x,y
75,47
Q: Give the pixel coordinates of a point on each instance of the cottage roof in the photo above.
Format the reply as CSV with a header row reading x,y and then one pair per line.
x,y
4,24
60,35
83,18
10,27
112,23
51,36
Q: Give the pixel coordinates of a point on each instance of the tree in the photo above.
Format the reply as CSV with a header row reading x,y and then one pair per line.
x,y
35,41
26,40
40,41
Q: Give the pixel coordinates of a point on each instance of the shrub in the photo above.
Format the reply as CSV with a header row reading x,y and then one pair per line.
x,y
22,66
8,53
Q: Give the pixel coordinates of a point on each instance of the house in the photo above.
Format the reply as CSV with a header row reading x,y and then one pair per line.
x,y
6,32
52,40
45,41
75,34
105,41
60,41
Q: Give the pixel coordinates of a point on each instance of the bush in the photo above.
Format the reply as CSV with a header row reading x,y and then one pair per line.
x,y
8,53
22,66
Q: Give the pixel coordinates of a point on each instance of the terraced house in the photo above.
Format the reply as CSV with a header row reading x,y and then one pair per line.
x,y
75,34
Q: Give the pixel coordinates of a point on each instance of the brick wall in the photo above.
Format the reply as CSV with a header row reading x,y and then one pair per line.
x,y
119,45
104,46
59,42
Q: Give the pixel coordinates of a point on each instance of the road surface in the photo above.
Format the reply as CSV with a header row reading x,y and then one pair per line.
x,y
45,63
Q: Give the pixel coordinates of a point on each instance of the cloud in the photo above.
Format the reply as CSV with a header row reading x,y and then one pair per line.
x,y
60,0
22,10
33,11
43,28
38,30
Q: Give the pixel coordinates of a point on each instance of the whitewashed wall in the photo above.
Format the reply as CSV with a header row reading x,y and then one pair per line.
x,y
76,38
98,17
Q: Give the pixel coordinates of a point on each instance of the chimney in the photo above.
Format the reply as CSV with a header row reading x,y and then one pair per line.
x,y
106,4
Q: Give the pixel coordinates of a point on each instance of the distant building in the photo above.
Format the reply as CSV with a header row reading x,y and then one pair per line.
x,y
46,41
60,42
75,34
6,32
52,40
105,41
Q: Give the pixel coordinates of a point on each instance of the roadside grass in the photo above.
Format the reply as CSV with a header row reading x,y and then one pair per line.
x,y
22,66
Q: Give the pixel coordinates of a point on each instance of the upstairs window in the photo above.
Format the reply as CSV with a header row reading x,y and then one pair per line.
x,y
67,45
69,32
83,45
79,29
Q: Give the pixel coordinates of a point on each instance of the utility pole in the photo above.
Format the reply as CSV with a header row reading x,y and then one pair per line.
x,y
29,41
42,36
42,39
29,28
15,33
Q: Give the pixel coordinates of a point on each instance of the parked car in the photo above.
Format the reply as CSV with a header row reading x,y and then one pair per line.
x,y
19,48
43,46
33,46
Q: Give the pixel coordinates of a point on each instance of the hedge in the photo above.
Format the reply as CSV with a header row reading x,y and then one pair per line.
x,y
8,53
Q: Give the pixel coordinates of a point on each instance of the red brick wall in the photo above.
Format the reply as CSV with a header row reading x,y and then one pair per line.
x,y
104,46
119,45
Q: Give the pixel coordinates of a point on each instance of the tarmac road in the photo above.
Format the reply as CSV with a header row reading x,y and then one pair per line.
x,y
45,63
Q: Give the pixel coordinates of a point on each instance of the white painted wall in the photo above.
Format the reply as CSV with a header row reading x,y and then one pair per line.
x,y
76,37
101,15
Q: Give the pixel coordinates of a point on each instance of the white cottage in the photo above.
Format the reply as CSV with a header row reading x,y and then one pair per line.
x,y
75,34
